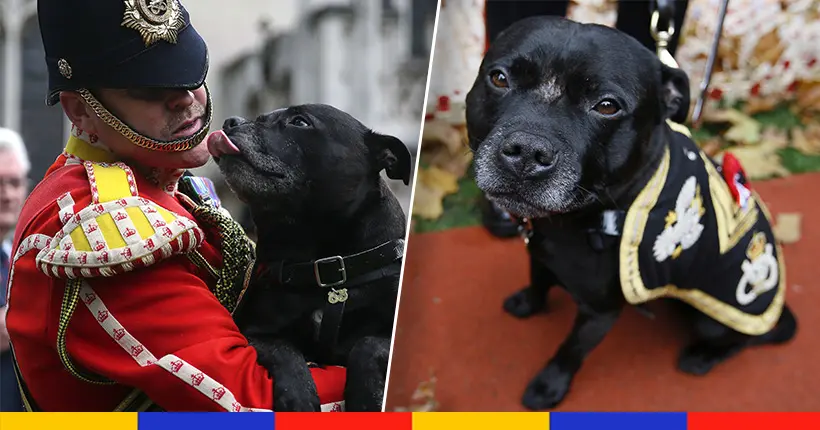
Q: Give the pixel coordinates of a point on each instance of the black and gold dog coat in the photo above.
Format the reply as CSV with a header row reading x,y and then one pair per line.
x,y
697,233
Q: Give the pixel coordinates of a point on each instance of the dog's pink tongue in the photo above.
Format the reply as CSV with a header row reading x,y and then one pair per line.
x,y
219,144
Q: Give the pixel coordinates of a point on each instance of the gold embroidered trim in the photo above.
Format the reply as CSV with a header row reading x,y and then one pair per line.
x,y
680,128
731,225
636,292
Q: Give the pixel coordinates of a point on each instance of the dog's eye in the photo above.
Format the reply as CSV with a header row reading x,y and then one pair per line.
x,y
499,79
607,107
299,122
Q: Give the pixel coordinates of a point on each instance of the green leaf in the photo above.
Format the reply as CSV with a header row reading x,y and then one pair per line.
x,y
797,162
460,209
781,117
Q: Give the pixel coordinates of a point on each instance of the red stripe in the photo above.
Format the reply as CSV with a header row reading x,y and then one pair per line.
x,y
345,421
753,421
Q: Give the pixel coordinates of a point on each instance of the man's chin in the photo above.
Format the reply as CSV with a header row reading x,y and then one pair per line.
x,y
193,158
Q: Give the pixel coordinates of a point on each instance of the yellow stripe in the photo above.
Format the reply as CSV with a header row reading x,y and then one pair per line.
x,y
84,151
68,421
144,228
480,420
112,183
166,215
79,239
111,234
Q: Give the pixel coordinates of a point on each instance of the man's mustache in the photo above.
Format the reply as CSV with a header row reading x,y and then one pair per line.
x,y
193,112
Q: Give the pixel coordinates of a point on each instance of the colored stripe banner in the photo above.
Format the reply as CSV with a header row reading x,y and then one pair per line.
x,y
413,421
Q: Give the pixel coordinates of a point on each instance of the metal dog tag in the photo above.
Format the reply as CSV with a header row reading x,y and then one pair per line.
x,y
337,296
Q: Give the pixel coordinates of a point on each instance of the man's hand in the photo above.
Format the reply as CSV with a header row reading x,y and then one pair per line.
x,y
4,334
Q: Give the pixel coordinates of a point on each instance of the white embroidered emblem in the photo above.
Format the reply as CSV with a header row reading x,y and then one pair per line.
x,y
760,270
683,227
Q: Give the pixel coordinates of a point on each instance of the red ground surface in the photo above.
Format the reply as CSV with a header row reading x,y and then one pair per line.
x,y
451,323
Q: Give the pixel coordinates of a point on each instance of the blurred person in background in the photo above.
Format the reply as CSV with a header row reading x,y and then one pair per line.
x,y
14,169
634,19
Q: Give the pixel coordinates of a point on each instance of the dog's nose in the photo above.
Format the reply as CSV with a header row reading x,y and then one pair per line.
x,y
232,122
530,157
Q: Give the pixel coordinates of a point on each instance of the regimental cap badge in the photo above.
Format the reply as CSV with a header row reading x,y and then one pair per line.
x,y
756,246
155,20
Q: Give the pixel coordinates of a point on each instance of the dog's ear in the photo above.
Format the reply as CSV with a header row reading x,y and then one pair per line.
x,y
675,93
478,127
391,155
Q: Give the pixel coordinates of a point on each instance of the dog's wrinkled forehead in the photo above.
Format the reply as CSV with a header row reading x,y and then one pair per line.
x,y
336,123
552,57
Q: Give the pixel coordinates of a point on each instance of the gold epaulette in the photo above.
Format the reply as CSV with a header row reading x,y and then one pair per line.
x,y
117,232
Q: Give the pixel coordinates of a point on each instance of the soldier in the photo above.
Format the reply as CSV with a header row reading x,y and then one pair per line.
x,y
126,270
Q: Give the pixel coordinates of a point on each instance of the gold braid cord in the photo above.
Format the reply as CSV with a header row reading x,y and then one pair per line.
x,y
138,139
237,254
71,298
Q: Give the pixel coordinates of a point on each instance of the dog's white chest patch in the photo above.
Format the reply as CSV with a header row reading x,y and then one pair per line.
x,y
549,90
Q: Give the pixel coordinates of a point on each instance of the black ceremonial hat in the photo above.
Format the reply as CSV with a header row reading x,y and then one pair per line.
x,y
120,44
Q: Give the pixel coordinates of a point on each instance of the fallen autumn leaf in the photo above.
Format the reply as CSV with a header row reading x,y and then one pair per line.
x,y
787,229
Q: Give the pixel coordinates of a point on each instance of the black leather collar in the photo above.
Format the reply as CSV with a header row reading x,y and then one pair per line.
x,y
609,223
333,271
336,274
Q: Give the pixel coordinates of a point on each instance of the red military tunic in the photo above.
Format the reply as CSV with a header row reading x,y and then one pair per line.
x,y
146,318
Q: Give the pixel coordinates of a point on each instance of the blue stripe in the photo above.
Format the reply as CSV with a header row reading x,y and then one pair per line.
x,y
618,420
205,420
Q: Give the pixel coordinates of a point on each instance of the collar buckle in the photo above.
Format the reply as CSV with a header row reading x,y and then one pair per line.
x,y
341,270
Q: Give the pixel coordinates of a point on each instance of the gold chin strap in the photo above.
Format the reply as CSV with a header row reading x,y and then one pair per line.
x,y
141,140
662,38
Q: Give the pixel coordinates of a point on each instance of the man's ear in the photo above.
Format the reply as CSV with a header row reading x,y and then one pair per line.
x,y
77,111
391,155
675,93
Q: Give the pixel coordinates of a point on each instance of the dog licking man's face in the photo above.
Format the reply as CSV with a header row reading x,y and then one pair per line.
x,y
307,159
560,111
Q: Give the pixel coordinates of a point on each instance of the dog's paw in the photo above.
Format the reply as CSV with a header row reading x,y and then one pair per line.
x,y
366,375
524,304
547,390
698,359
296,401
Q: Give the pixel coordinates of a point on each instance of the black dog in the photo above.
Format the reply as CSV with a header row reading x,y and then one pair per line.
x,y
329,250
575,130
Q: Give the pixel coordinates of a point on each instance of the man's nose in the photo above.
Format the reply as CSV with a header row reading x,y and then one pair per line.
x,y
5,189
528,156
180,100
